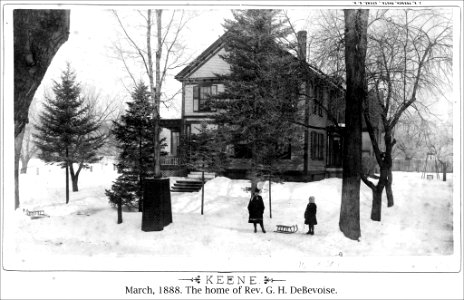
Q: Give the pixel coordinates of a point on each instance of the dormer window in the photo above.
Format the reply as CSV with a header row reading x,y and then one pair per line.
x,y
201,93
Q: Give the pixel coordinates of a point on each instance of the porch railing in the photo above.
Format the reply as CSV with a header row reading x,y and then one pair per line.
x,y
170,160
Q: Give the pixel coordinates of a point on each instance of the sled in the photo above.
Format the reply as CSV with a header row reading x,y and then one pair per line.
x,y
286,229
36,214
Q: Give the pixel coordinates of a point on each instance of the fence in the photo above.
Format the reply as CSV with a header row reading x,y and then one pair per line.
x,y
417,165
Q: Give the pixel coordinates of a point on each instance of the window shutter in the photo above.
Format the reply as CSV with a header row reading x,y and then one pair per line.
x,y
318,146
214,91
322,146
312,146
315,99
196,96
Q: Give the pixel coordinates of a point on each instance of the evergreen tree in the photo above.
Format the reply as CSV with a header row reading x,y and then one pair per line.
x,y
67,133
261,92
134,134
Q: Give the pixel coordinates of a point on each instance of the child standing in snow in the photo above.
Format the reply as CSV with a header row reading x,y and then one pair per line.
x,y
256,210
310,215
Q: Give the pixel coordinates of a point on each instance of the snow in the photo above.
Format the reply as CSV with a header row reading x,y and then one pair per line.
x,y
414,235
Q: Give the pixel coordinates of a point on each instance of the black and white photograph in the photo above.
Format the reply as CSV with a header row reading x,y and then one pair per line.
x,y
236,149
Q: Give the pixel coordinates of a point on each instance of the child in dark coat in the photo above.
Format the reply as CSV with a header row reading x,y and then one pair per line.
x,y
256,210
310,215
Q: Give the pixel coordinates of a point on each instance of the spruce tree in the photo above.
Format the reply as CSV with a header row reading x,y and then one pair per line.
x,y
134,134
67,133
261,91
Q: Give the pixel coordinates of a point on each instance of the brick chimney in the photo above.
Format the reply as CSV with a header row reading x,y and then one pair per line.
x,y
302,39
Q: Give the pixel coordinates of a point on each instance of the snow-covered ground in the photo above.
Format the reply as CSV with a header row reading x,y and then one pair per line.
x,y
414,235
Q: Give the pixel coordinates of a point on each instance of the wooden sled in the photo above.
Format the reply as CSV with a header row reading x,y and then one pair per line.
x,y
286,229
36,214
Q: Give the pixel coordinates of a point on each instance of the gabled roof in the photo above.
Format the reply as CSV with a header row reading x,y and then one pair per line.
x,y
201,59
219,44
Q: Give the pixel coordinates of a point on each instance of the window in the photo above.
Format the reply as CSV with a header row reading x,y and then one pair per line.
x,y
318,100
334,150
201,94
317,146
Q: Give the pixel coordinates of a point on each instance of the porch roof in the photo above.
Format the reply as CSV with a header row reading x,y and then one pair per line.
x,y
171,124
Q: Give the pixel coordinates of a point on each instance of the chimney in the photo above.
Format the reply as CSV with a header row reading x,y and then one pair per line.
x,y
302,36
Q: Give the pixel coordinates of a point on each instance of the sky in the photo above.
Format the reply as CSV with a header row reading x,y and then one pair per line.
x,y
90,52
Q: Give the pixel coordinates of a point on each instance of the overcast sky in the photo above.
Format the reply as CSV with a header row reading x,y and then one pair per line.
x,y
89,50
94,29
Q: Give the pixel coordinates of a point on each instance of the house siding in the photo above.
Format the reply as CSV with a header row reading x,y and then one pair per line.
x,y
301,166
317,165
215,65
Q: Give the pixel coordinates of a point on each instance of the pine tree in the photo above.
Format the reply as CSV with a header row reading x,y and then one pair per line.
x,y
134,134
261,92
67,133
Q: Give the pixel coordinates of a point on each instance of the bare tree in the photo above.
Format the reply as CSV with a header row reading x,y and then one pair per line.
x,y
410,52
410,135
157,63
408,58
439,141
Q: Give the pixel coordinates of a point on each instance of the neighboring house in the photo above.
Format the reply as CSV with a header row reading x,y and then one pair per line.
x,y
319,154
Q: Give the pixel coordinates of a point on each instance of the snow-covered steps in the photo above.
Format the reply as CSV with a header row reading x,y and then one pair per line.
x,y
186,186
197,175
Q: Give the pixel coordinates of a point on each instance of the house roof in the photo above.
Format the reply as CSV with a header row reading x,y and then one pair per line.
x,y
201,59
219,44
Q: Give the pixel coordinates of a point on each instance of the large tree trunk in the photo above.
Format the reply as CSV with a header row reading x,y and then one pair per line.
x,y
355,56
141,179
158,55
37,34
387,162
24,161
388,188
155,90
74,178
119,211
18,146
376,210
444,170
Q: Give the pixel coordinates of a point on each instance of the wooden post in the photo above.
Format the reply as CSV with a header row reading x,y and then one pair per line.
x,y
202,189
270,207
67,177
